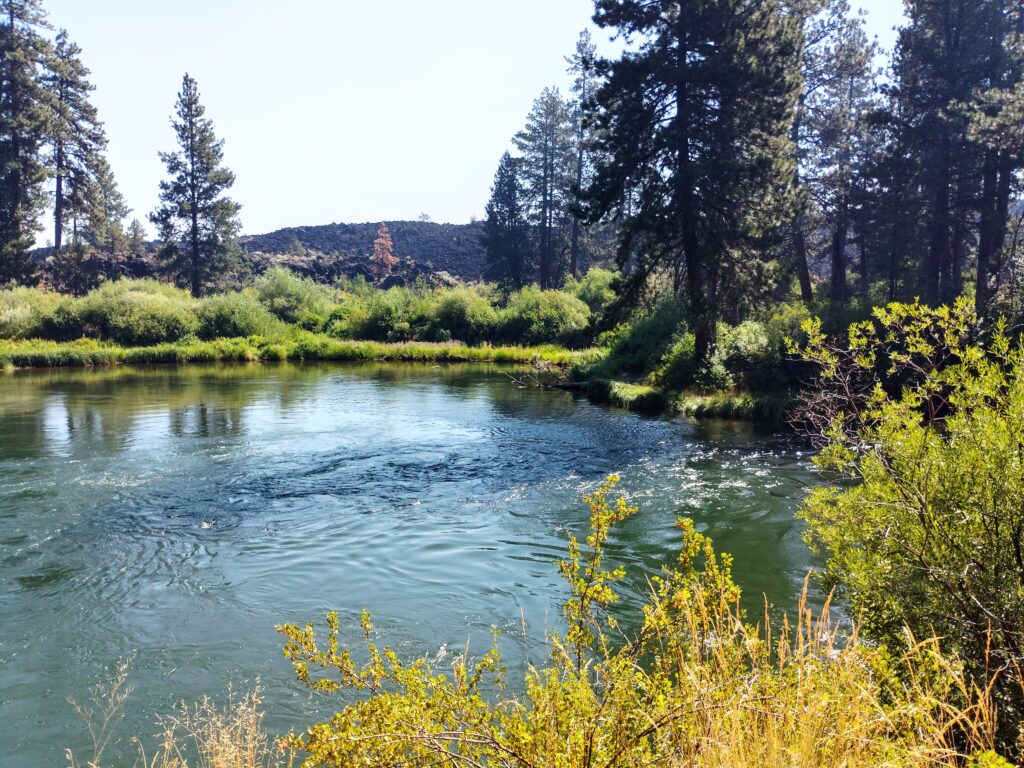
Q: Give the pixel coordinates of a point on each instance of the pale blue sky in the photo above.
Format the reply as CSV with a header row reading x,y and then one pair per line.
x,y
334,110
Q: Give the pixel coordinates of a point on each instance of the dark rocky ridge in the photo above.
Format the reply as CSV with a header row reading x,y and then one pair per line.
x,y
440,254
333,250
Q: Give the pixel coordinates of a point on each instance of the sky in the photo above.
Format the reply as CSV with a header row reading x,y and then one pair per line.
x,y
335,110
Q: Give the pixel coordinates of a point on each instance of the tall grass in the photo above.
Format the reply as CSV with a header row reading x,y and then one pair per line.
x,y
303,346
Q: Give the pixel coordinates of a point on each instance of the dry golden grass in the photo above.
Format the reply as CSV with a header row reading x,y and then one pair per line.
x,y
199,736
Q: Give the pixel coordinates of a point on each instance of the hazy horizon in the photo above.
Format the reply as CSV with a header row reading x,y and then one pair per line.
x,y
360,114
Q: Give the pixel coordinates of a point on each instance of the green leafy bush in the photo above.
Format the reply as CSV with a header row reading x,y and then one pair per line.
x,y
24,310
461,314
230,315
678,369
595,289
386,316
640,346
291,297
533,316
931,426
129,312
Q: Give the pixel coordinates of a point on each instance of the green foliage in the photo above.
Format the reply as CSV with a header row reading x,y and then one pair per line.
x,y
301,345
281,305
291,297
230,315
640,346
46,354
462,314
128,312
534,316
23,310
931,425
595,289
633,397
695,685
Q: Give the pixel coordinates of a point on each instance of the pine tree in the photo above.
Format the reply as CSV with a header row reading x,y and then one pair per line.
x,y
582,66
547,163
107,210
838,86
24,122
943,56
694,121
996,116
383,259
76,139
835,58
506,230
196,221
136,236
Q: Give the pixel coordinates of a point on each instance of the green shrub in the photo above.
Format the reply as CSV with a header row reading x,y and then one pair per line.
x,y
534,316
640,346
594,289
129,312
930,427
23,312
231,315
290,296
678,368
461,314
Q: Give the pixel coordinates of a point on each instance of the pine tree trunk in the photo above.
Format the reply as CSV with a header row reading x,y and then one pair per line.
x,y
58,203
195,277
986,230
839,238
574,249
803,272
938,246
698,286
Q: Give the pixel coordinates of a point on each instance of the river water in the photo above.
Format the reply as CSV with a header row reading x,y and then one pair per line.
x,y
178,514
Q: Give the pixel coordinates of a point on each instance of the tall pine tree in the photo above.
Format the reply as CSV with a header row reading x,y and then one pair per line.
x,y
196,221
547,162
24,123
582,66
694,120
506,229
76,139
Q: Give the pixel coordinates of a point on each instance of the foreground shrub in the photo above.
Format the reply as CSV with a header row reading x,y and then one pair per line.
x,y
931,426
695,686
230,315
534,316
203,735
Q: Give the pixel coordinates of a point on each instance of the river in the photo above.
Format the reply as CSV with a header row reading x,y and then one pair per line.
x,y
178,514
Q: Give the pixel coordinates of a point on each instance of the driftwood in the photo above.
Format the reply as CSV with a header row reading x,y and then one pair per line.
x,y
546,375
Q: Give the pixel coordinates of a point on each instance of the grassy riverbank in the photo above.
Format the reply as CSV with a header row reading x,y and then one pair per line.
x,y
762,407
35,353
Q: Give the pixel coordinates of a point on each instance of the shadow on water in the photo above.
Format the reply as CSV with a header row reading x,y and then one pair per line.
x,y
180,513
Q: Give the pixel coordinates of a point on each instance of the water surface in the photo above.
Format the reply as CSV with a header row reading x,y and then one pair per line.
x,y
178,514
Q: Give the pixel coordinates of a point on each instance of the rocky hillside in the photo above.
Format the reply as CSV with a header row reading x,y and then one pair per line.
x,y
332,250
